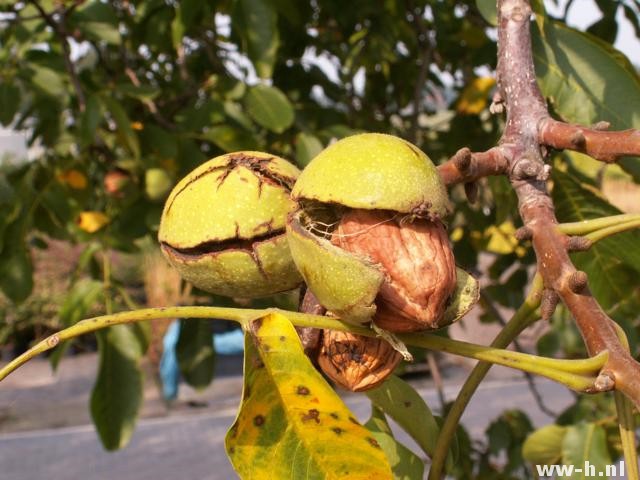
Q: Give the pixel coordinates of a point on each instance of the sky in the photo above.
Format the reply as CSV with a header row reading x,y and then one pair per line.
x,y
583,13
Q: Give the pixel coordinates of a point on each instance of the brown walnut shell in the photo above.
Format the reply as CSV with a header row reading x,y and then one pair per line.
x,y
355,362
416,258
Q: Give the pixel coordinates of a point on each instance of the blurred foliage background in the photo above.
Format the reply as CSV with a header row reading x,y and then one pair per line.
x,y
121,99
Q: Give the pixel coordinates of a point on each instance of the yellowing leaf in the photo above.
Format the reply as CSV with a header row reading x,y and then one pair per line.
x,y
456,235
291,423
91,221
137,125
73,178
474,97
502,239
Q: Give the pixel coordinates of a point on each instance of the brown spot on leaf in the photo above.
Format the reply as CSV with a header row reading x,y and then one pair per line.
x,y
282,338
337,430
302,390
312,414
334,415
258,420
353,420
406,403
255,326
373,442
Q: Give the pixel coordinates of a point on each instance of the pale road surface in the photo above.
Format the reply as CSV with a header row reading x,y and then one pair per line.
x,y
186,445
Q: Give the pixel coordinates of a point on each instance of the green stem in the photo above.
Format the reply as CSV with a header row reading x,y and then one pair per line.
x,y
98,323
576,374
587,226
521,319
626,425
612,230
626,421
106,280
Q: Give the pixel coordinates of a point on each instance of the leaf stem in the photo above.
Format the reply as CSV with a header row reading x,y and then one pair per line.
x,y
521,319
588,226
626,421
613,229
576,374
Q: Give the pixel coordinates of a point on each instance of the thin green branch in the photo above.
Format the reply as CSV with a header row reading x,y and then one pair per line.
x,y
576,374
587,226
626,422
98,323
612,230
522,318
626,425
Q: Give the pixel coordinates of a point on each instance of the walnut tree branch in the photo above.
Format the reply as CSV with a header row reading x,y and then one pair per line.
x,y
596,142
527,116
466,166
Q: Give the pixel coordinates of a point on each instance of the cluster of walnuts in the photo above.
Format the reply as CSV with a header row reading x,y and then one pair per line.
x,y
361,226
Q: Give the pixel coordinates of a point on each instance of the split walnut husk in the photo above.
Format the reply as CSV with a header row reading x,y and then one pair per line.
x,y
417,262
223,226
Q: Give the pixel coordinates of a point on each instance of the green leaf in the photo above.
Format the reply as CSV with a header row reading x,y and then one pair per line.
x,y
230,139
101,31
588,80
75,306
141,92
544,446
307,147
177,28
90,119
9,102
256,22
270,108
129,137
117,393
47,80
632,17
96,11
195,352
610,262
405,464
16,268
291,423
402,403
585,442
488,10
16,273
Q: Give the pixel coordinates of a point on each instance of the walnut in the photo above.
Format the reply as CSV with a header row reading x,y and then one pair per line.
x,y
417,261
355,362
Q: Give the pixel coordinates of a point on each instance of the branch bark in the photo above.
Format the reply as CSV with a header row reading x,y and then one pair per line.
x,y
466,166
595,142
529,125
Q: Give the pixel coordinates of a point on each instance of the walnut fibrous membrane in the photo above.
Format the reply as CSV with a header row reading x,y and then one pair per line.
x,y
356,362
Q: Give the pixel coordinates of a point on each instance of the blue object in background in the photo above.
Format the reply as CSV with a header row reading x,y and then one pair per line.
x,y
169,369
227,343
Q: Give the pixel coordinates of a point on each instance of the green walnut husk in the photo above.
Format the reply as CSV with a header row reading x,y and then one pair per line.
x,y
374,171
371,172
223,226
